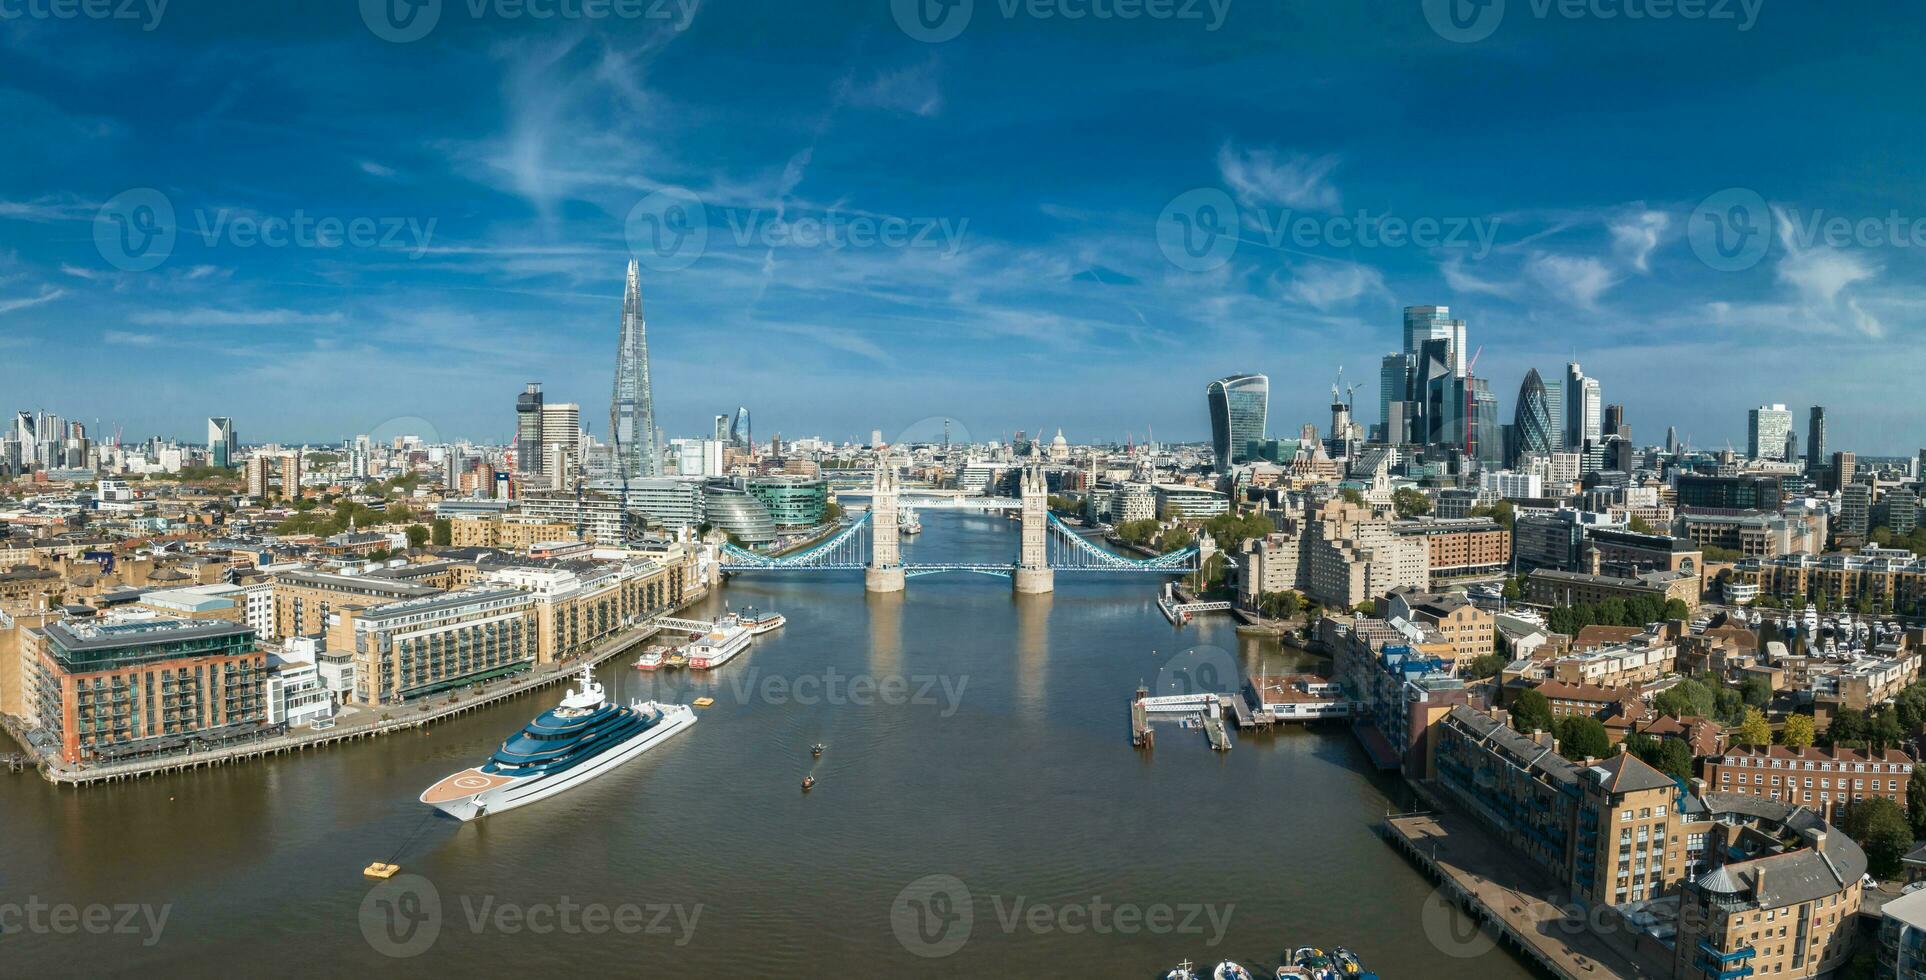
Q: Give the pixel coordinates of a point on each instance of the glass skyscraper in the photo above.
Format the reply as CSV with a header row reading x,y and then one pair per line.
x,y
1532,420
632,410
1238,412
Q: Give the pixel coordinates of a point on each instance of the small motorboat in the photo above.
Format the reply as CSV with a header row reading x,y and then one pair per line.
x,y
1182,972
1230,971
817,749
649,660
1347,961
808,781
1292,973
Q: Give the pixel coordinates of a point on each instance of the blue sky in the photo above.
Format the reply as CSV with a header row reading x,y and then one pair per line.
x,y
997,198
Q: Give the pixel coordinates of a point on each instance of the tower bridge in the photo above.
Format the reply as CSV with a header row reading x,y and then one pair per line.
x,y
870,541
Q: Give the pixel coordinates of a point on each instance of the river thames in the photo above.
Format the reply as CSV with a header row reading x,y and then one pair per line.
x,y
979,812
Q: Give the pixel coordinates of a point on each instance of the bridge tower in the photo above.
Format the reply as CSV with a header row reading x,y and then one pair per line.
x,y
885,570
1033,573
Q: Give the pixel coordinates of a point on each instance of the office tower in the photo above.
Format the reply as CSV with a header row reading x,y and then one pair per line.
x,y
1440,415
632,410
1394,374
561,441
721,428
1425,323
739,429
1791,446
1239,407
1855,510
360,458
1614,419
1671,439
1484,436
1845,466
220,441
1765,431
528,430
875,438
1531,419
1816,440
1555,409
1583,420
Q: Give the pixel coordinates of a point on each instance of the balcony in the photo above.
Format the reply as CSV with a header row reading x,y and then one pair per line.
x,y
1713,952
1717,972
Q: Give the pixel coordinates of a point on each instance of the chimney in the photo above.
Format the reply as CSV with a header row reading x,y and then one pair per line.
x,y
1758,881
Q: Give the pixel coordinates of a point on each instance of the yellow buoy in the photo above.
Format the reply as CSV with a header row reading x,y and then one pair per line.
x,y
704,702
380,870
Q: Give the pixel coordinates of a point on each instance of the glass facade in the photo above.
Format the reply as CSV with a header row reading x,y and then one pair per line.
x,y
1238,408
736,512
1532,424
792,501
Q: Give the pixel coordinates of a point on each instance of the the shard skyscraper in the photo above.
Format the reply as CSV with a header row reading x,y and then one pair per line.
x,y
632,410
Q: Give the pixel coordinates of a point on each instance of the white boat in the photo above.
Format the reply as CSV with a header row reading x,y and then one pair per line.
x,y
651,659
568,745
760,622
716,647
1230,971
1182,972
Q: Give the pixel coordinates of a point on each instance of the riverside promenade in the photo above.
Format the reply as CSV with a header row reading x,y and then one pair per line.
x,y
1513,905
386,719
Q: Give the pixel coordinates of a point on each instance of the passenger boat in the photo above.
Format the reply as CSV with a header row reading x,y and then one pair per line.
x,y
719,645
760,622
808,781
568,745
817,749
1182,972
1230,971
650,659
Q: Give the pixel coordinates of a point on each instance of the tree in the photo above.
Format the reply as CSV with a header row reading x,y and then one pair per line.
x,y
1644,746
1675,759
1514,588
1848,726
1916,803
1368,607
418,535
1685,699
444,532
1531,712
1352,495
1798,731
1410,502
1485,665
1502,512
1280,605
1882,831
1757,691
1639,525
1584,738
1754,730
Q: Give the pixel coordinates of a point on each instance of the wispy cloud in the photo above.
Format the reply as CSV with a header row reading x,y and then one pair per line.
x,y
47,295
209,317
1262,176
1579,280
1636,234
1327,284
913,90
1462,280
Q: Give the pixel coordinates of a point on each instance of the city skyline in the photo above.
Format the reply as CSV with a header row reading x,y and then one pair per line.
x,y
503,246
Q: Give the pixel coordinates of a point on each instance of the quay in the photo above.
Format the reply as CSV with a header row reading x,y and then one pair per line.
x,y
1179,611
398,717
1512,905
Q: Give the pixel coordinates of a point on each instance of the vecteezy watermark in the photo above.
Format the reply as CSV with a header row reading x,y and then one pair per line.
x,y
1733,229
1200,230
147,13
402,21
670,229
1459,933
136,230
1198,670
1469,21
40,917
403,917
833,687
936,21
935,915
